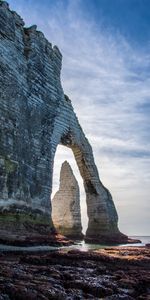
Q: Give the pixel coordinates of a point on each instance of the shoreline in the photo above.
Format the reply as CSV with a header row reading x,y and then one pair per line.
x,y
47,248
75,245
62,243
23,239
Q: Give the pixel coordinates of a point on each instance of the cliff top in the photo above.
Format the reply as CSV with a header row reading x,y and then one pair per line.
x,y
20,22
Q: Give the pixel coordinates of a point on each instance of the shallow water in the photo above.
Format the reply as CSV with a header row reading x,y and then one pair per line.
x,y
85,247
80,246
144,239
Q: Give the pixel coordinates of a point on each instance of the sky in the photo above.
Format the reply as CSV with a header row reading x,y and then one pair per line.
x,y
106,73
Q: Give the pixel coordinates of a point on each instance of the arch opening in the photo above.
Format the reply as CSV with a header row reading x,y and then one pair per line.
x,y
64,153
101,211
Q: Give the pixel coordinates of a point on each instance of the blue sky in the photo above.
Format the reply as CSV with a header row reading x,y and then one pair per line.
x,y
106,72
129,17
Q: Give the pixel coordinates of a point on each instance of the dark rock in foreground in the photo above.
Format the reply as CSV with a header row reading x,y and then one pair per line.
x,y
114,273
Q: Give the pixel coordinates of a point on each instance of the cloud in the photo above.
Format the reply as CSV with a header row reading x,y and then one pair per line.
x,y
109,84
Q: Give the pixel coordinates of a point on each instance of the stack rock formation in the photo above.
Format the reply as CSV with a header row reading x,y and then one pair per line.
x,y
66,214
36,116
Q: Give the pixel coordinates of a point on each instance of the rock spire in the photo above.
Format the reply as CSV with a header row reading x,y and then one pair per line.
x,y
66,214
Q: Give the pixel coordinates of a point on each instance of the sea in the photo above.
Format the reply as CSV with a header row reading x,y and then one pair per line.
x,y
79,245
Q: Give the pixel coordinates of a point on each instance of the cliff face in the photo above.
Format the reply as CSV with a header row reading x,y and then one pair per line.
x,y
30,96
36,116
66,213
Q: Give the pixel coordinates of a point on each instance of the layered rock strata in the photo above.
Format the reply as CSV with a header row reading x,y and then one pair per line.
x,y
36,116
66,213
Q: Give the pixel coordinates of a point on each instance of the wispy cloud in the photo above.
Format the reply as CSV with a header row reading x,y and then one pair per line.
x,y
109,84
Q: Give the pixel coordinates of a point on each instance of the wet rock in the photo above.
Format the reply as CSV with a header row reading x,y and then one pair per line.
x,y
4,297
119,297
67,275
35,239
127,282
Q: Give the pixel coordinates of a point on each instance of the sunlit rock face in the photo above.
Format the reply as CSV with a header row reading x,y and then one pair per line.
x,y
66,214
36,116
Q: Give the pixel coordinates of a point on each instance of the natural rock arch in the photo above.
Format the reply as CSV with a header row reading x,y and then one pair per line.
x,y
102,215
36,116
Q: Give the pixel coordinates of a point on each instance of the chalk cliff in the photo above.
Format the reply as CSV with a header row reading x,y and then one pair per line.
x,y
66,214
36,116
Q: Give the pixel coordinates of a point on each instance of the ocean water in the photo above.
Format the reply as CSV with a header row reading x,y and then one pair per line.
x,y
143,239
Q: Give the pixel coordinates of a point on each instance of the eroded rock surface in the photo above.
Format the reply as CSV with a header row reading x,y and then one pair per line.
x,y
36,116
110,274
66,214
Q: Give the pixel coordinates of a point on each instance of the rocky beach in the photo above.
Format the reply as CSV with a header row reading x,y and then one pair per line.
x,y
110,273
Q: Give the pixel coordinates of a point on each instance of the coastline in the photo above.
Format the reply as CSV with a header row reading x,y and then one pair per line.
x,y
61,242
